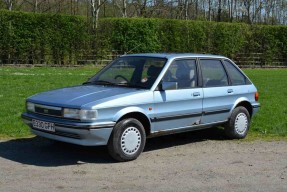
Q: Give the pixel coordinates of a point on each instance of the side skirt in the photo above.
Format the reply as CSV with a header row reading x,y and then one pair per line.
x,y
185,129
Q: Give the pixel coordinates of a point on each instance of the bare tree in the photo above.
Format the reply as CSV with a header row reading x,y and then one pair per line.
x,y
247,4
230,9
250,11
33,3
219,10
141,7
209,10
186,3
95,10
9,4
196,9
122,6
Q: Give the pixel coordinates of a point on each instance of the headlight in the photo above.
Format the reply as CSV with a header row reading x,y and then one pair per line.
x,y
81,114
30,106
88,114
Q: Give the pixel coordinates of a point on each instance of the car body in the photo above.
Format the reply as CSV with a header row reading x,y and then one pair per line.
x,y
145,95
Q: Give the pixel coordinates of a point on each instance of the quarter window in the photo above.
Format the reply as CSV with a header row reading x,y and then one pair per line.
x,y
213,73
183,72
235,75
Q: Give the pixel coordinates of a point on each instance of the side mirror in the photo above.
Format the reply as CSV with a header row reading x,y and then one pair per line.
x,y
168,86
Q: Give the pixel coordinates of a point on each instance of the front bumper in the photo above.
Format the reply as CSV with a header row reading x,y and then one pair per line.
x,y
80,133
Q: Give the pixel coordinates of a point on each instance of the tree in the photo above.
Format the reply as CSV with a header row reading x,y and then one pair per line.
x,y
9,4
219,11
122,6
95,10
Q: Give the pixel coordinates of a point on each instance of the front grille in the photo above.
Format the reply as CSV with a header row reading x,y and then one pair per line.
x,y
61,133
65,134
48,110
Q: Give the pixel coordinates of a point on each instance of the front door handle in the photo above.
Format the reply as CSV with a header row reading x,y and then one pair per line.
x,y
196,94
230,91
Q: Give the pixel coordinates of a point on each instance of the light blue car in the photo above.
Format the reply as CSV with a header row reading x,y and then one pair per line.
x,y
144,95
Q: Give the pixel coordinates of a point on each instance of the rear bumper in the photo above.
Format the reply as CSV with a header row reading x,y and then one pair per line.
x,y
255,108
80,133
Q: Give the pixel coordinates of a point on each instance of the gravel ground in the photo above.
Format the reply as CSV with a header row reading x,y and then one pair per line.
x,y
195,161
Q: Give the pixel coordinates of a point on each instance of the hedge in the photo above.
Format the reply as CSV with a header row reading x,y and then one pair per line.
x,y
229,39
41,37
61,39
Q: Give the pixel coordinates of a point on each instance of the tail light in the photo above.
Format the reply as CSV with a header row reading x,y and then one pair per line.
x,y
256,96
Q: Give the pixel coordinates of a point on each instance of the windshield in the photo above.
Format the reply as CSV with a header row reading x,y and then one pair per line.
x,y
139,72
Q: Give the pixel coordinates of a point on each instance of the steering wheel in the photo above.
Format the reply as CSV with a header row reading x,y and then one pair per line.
x,y
122,77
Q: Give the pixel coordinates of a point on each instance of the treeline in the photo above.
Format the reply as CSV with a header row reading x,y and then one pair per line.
x,y
248,11
59,39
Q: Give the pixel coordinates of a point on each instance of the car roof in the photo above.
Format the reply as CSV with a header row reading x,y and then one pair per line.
x,y
173,55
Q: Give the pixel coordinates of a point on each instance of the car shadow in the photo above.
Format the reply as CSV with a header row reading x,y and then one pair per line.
x,y
184,138
38,151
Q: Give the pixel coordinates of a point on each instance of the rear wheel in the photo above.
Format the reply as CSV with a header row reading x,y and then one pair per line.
x,y
238,124
127,140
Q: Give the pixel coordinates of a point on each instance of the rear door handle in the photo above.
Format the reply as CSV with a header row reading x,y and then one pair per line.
x,y
196,94
230,91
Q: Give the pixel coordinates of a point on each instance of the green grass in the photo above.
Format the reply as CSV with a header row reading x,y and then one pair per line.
x,y
16,84
272,116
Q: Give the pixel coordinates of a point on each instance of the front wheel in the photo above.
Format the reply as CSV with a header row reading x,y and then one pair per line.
x,y
238,123
127,140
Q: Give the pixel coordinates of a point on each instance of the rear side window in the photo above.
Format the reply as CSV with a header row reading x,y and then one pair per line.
x,y
213,73
236,77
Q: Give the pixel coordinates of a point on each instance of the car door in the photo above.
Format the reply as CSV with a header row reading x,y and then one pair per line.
x,y
181,107
218,95
239,83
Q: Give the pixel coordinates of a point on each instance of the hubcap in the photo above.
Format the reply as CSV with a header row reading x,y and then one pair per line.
x,y
241,123
131,140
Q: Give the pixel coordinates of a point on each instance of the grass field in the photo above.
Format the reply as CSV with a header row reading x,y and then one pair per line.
x,y
272,86
16,84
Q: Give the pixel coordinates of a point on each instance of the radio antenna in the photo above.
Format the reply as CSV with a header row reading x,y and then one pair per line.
x,y
132,49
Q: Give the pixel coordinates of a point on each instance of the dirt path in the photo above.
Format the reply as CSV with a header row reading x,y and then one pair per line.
x,y
182,162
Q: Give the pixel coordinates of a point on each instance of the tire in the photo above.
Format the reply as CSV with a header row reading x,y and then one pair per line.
x,y
127,140
238,123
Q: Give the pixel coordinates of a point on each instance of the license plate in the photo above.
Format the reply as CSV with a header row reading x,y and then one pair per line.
x,y
46,126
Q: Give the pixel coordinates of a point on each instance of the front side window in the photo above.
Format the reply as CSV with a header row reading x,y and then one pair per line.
x,y
213,73
138,72
235,75
183,72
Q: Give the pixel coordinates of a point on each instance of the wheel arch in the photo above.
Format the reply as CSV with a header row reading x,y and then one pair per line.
x,y
136,113
244,103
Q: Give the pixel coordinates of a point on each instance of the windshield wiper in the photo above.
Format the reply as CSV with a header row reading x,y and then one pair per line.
x,y
99,82
131,85
125,84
